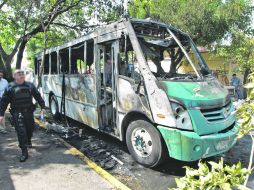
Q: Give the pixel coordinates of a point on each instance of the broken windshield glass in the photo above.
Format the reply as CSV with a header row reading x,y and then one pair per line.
x,y
173,58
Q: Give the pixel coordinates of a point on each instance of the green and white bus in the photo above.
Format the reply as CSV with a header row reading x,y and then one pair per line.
x,y
145,83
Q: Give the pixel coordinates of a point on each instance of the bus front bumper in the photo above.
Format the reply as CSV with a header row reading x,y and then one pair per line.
x,y
189,146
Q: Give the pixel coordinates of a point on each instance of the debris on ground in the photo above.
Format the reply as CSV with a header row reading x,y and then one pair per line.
x,y
97,150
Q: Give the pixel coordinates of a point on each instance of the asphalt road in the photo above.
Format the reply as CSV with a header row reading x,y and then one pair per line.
x,y
49,167
101,147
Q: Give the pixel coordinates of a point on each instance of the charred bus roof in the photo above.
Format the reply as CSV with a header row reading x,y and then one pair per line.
x,y
142,28
155,27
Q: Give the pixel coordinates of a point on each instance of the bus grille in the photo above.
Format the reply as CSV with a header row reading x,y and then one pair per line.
x,y
217,114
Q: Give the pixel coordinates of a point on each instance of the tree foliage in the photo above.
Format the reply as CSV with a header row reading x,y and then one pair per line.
x,y
108,11
22,20
141,9
35,44
246,118
246,111
240,51
205,21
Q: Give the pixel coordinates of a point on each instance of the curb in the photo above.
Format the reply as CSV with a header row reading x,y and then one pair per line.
x,y
103,173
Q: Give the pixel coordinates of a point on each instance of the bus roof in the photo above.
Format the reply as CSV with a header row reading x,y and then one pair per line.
x,y
105,29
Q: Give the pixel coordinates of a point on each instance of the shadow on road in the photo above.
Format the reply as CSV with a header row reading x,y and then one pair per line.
x,y
49,161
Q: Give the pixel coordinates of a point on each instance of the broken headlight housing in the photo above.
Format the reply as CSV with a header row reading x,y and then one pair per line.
x,y
183,120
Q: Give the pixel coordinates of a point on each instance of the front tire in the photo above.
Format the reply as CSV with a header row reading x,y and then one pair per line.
x,y
144,143
54,108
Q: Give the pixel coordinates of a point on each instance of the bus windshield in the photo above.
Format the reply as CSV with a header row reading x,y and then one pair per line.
x,y
174,58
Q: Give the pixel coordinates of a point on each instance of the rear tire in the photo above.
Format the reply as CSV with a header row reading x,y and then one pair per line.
x,y
144,142
54,108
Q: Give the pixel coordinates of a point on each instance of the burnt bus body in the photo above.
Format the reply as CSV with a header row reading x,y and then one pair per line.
x,y
145,83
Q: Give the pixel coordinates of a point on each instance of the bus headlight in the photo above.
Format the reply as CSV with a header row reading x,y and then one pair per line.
x,y
182,117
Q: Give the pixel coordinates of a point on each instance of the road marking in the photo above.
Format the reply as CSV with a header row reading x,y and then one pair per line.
x,y
75,152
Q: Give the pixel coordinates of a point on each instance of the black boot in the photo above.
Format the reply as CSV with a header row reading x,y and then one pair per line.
x,y
24,155
29,144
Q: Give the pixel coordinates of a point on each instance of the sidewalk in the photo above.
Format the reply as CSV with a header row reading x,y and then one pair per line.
x,y
50,166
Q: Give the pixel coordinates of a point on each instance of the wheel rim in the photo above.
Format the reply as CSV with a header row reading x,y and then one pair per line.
x,y
142,142
53,107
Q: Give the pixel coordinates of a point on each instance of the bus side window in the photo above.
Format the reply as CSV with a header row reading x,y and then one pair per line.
x,y
53,63
64,61
101,61
90,66
77,59
46,65
123,65
128,68
133,69
81,65
127,64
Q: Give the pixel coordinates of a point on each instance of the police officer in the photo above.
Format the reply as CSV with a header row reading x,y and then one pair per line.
x,y
19,94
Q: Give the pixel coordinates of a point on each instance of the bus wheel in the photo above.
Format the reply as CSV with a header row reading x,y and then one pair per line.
x,y
54,107
144,143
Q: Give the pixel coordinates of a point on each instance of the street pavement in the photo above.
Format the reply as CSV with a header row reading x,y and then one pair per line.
x,y
50,166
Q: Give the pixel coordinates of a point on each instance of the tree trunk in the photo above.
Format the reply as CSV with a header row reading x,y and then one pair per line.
x,y
20,53
5,65
41,70
2,67
8,70
245,78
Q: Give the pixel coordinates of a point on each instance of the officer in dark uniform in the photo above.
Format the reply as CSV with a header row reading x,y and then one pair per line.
x,y
19,94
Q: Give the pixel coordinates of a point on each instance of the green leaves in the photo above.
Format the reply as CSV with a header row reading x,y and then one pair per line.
x,y
140,9
75,22
207,24
106,10
240,52
22,20
213,175
246,111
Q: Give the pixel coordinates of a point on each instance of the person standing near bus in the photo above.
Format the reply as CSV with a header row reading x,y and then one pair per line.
x,y
3,86
20,94
236,82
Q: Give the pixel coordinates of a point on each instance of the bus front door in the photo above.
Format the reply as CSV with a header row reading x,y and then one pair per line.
x,y
108,58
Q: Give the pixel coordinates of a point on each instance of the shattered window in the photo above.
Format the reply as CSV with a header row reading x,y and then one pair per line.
x,y
127,64
46,65
37,64
170,54
64,60
89,60
53,63
77,59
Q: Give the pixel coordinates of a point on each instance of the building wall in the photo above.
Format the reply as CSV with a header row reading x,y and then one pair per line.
x,y
222,69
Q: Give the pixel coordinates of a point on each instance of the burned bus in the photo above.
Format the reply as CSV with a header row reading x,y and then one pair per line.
x,y
145,83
